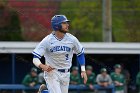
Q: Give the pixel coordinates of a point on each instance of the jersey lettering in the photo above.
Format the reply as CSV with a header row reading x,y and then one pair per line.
x,y
60,48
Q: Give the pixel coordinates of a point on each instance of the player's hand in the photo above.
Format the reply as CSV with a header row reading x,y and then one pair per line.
x,y
117,83
84,75
41,88
46,68
91,86
32,84
105,84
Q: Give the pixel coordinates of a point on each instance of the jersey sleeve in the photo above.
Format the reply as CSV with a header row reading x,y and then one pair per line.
x,y
40,48
26,80
78,48
97,79
110,80
138,79
111,75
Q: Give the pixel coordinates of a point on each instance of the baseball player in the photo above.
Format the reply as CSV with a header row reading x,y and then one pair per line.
x,y
57,48
118,79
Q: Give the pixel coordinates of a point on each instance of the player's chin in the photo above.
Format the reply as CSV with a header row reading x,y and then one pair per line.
x,y
66,30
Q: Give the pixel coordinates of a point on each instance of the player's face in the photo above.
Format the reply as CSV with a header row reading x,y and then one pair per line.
x,y
89,72
75,72
34,74
104,73
118,70
65,26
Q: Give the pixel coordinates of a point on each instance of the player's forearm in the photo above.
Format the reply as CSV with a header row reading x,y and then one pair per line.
x,y
73,82
99,83
81,60
26,83
42,66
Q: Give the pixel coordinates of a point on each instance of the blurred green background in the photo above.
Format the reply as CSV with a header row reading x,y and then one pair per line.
x,y
30,20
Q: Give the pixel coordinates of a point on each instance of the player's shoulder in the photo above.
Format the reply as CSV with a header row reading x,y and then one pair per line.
x,y
48,37
93,74
71,36
28,76
122,75
99,75
112,73
138,73
108,76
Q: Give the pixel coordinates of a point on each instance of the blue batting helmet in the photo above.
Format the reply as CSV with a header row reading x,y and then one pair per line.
x,y
57,20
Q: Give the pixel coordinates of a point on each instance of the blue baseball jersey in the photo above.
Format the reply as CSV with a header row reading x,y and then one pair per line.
x,y
58,53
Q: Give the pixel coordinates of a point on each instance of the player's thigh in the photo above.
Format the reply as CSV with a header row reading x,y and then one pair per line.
x,y
64,84
53,86
119,92
64,89
53,83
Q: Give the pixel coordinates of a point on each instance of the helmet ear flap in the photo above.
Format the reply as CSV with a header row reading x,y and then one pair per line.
x,y
60,26
57,26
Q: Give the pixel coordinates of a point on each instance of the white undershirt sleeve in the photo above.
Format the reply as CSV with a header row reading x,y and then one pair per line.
x,y
36,62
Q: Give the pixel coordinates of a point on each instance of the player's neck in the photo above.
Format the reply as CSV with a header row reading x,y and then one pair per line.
x,y
117,73
59,35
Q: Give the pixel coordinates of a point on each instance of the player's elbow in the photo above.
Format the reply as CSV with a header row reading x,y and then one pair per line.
x,y
36,62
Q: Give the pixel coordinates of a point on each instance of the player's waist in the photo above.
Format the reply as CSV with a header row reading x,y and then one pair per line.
x,y
60,69
63,70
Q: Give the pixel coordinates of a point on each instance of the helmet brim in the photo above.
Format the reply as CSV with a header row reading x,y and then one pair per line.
x,y
66,21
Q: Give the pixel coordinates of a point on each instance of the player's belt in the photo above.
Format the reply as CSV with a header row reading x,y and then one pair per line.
x,y
64,70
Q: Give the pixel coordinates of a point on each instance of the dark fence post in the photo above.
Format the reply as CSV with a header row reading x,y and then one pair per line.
x,y
13,69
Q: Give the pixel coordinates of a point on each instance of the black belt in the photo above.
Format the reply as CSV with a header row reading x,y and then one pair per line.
x,y
64,70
